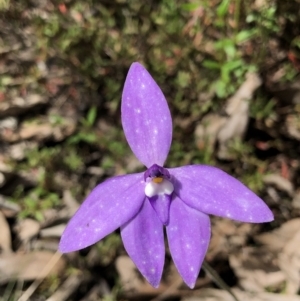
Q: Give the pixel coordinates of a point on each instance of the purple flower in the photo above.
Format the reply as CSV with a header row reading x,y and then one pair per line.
x,y
143,203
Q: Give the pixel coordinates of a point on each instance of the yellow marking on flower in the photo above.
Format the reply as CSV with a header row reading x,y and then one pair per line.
x,y
157,180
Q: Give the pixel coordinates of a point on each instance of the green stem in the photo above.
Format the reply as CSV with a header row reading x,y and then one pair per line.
x,y
237,16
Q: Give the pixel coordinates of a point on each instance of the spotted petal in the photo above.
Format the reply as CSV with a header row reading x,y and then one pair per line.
x,y
143,240
109,206
188,236
212,191
146,117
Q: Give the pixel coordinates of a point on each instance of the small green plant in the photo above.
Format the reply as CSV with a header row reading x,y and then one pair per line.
x,y
42,157
72,160
229,63
290,72
252,168
265,18
86,133
261,108
108,248
253,179
35,202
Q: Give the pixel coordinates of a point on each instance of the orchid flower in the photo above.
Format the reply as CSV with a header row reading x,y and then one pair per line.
x,y
141,204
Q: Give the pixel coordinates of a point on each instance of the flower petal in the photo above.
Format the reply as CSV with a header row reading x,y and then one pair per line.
x,y
188,236
109,205
212,191
146,117
143,240
161,205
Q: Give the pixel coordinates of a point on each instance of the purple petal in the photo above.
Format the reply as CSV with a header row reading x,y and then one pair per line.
x,y
161,205
212,191
143,240
188,236
109,205
146,117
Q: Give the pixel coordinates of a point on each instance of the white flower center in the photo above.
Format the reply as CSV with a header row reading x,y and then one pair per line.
x,y
154,187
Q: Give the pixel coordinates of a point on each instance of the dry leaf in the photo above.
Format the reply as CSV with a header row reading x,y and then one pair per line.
x,y
27,266
296,200
18,105
18,151
284,243
289,262
133,284
237,108
292,125
210,294
280,183
41,129
227,236
9,209
223,129
129,276
27,228
256,269
207,131
55,231
5,237
67,288
277,239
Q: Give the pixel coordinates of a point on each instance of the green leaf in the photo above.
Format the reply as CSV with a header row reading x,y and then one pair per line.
x,y
211,64
39,216
230,50
227,45
220,88
183,79
89,138
250,18
223,8
245,35
91,116
228,67
231,65
74,139
190,6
